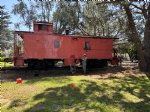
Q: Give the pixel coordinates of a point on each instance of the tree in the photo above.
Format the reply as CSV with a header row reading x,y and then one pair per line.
x,y
5,34
4,20
103,19
143,50
28,15
88,19
146,43
131,50
68,15
45,9
35,11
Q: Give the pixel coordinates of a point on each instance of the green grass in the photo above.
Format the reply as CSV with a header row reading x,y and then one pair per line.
x,y
6,64
50,94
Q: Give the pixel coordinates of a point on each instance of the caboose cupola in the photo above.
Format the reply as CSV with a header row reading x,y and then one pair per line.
x,y
43,27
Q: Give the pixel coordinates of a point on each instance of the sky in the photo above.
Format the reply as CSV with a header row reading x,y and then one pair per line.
x,y
14,19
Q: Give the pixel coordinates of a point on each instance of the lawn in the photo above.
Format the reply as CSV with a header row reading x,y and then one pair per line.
x,y
52,94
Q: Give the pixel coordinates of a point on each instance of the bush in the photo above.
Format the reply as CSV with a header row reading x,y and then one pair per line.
x,y
5,59
2,59
132,51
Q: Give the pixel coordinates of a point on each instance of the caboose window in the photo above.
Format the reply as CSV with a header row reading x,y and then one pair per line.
x,y
56,44
87,46
43,27
39,27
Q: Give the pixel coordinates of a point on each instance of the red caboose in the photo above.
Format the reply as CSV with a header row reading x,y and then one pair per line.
x,y
43,47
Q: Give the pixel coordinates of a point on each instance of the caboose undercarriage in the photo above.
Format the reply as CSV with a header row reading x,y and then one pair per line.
x,y
50,63
35,63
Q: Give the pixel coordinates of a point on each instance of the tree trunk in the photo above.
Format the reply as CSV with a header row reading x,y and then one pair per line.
x,y
146,42
136,39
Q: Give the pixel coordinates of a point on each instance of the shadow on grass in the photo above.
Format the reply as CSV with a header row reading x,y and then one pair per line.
x,y
138,87
132,94
59,80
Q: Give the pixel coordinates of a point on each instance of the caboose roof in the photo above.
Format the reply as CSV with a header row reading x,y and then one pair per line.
x,y
41,22
72,36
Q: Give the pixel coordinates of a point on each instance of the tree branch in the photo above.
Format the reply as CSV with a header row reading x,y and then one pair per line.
x,y
137,7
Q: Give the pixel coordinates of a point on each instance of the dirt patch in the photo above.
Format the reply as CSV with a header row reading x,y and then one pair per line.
x,y
15,103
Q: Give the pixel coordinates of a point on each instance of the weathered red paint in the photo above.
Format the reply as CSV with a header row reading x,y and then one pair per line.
x,y
40,45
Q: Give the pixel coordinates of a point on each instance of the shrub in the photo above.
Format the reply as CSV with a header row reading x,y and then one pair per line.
x,y
2,59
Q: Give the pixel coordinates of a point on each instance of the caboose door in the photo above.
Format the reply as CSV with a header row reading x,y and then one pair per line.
x,y
75,47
